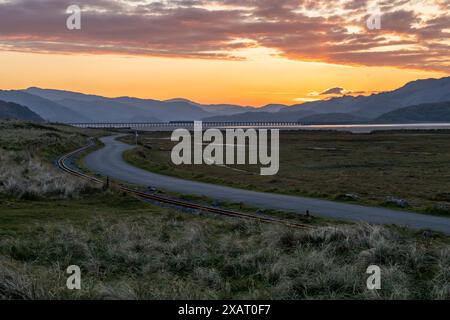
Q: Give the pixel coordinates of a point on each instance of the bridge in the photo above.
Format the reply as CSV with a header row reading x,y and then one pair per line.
x,y
184,124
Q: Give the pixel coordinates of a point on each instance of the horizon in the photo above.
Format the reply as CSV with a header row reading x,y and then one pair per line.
x,y
224,52
220,103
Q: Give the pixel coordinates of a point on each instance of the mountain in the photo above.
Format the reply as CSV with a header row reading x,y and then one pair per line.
x,y
123,109
217,109
57,95
227,109
332,118
345,104
232,109
108,111
272,108
10,110
413,93
67,106
166,111
428,112
350,109
261,116
46,109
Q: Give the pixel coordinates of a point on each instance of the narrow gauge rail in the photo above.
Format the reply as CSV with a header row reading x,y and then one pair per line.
x,y
61,162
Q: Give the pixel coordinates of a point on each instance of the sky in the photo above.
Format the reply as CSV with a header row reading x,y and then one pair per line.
x,y
249,52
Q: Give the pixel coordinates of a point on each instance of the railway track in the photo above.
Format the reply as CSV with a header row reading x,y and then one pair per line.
x,y
62,164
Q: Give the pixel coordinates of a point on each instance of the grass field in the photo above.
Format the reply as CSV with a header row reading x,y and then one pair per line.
x,y
397,169
133,251
26,153
127,249
42,141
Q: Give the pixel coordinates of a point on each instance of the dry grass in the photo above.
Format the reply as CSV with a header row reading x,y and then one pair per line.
x,y
127,250
24,176
26,152
171,256
366,168
441,282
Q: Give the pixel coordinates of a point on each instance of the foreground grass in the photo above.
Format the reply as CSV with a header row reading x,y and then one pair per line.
x,y
130,250
27,151
133,251
397,169
43,141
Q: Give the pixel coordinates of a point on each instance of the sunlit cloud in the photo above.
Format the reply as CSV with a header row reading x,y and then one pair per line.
x,y
414,34
302,100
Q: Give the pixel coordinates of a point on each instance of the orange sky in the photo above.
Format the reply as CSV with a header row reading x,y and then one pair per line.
x,y
223,51
257,81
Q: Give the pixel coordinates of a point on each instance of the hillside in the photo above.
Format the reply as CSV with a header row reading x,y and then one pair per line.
x,y
67,106
262,116
331,118
46,109
123,109
428,112
9,110
106,111
217,109
373,106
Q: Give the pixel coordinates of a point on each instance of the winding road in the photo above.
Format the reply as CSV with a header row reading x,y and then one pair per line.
x,y
108,161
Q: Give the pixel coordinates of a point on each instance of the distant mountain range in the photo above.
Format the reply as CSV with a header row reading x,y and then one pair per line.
x,y
13,111
45,108
332,118
262,116
428,112
66,106
373,106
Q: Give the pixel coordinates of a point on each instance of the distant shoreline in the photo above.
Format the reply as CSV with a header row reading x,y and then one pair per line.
x,y
355,128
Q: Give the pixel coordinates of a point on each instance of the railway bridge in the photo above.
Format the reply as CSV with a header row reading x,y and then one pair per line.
x,y
184,124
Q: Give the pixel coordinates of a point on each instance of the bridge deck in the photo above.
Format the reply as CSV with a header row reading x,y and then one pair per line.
x,y
188,125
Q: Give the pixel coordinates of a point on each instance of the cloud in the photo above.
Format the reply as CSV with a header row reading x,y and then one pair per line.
x,y
336,91
333,91
305,99
333,31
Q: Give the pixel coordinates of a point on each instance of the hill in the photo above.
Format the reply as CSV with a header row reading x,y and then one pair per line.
x,y
373,106
332,118
428,112
10,110
122,109
102,110
68,106
261,116
46,109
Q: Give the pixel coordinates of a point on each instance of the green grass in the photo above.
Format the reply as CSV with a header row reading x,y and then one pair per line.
x,y
128,249
242,207
44,141
411,166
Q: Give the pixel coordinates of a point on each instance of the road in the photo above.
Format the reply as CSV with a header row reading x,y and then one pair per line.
x,y
108,161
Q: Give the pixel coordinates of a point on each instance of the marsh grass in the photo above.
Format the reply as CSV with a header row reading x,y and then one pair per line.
x,y
411,167
155,253
26,154
130,250
26,177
